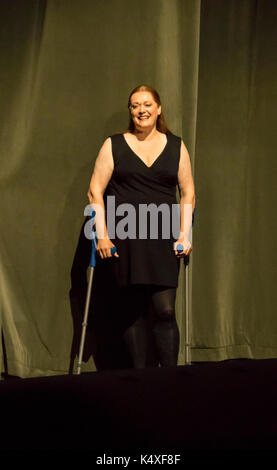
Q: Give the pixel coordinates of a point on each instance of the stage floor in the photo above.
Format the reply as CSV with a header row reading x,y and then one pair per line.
x,y
229,405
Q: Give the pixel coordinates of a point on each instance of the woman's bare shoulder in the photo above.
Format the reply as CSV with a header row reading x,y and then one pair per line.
x,y
105,156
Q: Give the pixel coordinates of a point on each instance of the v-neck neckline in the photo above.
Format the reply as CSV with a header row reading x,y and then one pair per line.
x,y
137,156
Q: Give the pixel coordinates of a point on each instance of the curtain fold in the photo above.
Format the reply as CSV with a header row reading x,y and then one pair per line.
x,y
67,70
234,260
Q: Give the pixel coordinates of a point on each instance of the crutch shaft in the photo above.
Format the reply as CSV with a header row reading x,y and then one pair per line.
x,y
84,324
187,332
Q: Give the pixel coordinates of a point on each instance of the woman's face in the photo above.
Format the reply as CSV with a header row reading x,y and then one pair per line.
x,y
144,110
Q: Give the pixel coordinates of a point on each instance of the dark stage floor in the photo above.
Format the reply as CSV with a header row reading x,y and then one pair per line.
x,y
228,405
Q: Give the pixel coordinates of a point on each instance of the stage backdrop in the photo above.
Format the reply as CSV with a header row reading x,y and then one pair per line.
x,y
67,68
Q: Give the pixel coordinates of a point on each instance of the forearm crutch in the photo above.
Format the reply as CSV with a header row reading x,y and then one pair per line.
x,y
91,272
187,312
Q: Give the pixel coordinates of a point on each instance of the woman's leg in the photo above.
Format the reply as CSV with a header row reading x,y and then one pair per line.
x,y
135,336
166,332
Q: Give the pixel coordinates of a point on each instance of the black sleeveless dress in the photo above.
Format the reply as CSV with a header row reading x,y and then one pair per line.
x,y
145,255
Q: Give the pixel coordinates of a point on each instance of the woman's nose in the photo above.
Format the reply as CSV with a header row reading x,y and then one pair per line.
x,y
142,108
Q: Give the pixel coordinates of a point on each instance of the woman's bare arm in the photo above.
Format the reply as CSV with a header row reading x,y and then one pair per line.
x,y
187,197
103,170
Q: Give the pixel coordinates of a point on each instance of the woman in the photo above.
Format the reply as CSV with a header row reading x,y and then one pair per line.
x,y
142,167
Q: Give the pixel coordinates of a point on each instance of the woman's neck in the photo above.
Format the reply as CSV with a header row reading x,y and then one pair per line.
x,y
146,134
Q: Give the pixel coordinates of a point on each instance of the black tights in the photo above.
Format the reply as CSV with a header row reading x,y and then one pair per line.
x,y
136,300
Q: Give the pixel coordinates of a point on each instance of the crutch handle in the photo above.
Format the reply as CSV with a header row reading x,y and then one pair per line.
x,y
113,250
180,247
93,253
94,244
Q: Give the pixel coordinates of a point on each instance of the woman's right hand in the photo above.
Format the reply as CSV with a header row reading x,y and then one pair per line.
x,y
104,247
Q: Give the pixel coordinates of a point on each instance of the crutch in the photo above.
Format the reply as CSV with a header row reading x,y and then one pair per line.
x,y
187,313
91,272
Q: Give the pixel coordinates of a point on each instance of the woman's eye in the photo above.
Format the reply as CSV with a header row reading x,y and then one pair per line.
x,y
134,106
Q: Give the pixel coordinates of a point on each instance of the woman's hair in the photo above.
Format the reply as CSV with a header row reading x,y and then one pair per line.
x,y
160,124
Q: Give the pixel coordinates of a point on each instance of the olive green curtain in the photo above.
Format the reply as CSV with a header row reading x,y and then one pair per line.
x,y
234,268
67,68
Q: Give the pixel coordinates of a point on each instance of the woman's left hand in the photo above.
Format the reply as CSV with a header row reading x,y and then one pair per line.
x,y
187,248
